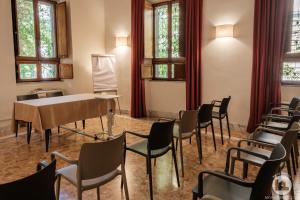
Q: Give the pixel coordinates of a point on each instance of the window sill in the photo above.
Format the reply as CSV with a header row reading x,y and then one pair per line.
x,y
290,83
168,80
38,81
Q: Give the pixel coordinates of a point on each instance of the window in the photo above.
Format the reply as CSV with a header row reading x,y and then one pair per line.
x,y
291,64
35,40
168,61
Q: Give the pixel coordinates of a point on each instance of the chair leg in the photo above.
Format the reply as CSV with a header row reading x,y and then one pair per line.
x,y
101,123
147,165
289,169
190,140
195,196
199,143
75,125
213,133
176,144
79,194
125,183
228,126
58,187
17,128
296,153
221,129
98,193
175,163
232,166
181,157
245,170
83,124
293,162
28,132
150,176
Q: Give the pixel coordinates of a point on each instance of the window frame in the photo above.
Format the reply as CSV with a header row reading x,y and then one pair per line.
x,y
170,60
289,57
38,59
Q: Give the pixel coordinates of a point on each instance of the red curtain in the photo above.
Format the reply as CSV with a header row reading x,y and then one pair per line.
x,y
138,105
270,20
193,39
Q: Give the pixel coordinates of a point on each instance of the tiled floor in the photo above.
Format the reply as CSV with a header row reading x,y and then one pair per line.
x,y
17,160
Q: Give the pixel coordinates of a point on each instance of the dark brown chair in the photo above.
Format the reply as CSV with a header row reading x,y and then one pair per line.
x,y
227,187
39,186
97,165
184,129
28,124
58,94
154,145
205,120
222,113
290,108
287,142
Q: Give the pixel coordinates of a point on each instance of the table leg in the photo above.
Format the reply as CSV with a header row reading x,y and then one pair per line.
x,y
47,138
109,118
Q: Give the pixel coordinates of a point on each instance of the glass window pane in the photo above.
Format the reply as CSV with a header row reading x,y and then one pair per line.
x,y
47,30
295,35
291,71
49,71
161,32
26,31
161,71
175,30
28,71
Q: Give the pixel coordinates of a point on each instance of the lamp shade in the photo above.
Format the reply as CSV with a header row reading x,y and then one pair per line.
x,y
121,41
227,30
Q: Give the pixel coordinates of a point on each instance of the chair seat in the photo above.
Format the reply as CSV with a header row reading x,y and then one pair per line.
x,y
70,173
210,197
204,124
278,125
217,115
253,159
141,148
183,135
266,137
219,188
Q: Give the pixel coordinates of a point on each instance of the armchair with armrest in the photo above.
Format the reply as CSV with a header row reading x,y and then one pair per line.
x,y
290,108
227,187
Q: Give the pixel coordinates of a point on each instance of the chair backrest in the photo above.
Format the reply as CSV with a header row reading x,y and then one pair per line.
x,y
295,118
205,113
27,97
161,135
54,94
35,187
188,121
224,105
289,138
263,182
98,159
294,103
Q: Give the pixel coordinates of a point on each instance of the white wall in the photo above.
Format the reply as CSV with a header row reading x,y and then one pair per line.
x,y
87,30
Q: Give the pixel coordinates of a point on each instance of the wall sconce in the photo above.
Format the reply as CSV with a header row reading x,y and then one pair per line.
x,y
121,41
226,30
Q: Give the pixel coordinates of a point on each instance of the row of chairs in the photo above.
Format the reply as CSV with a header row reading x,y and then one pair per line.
x,y
273,144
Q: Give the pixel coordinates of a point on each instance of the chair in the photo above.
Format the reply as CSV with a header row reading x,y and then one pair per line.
x,y
98,164
58,94
290,108
227,187
205,120
28,124
39,186
287,142
156,144
185,129
222,113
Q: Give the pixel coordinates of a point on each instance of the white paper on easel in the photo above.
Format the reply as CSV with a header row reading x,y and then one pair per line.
x,y
104,73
